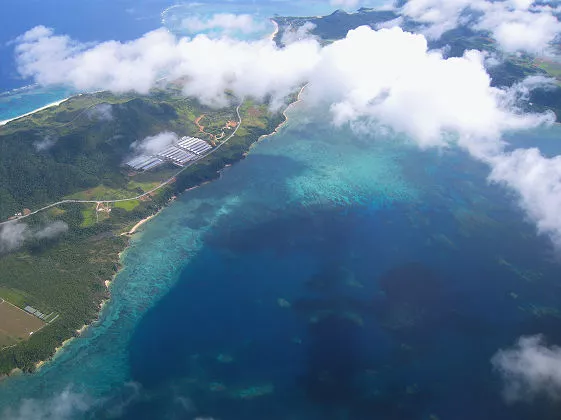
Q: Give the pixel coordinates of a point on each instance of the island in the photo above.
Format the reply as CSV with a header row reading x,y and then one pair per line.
x,y
509,70
76,182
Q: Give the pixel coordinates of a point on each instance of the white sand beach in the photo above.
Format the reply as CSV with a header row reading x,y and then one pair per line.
x,y
57,103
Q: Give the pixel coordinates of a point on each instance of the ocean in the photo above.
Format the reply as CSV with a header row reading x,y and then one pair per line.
x,y
329,275
104,20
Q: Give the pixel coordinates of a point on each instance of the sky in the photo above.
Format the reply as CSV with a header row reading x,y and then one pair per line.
x,y
400,85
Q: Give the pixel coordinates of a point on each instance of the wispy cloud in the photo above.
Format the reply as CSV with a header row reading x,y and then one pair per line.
x,y
101,112
154,144
292,35
530,369
517,25
65,406
385,77
51,230
45,143
13,235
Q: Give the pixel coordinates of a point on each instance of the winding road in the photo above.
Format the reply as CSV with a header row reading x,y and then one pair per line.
x,y
163,184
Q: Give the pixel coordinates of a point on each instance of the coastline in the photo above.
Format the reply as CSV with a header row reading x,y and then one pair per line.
x,y
106,300
85,327
135,228
139,224
276,31
53,104
285,115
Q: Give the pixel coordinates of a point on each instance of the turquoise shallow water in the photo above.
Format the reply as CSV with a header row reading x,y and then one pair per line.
x,y
21,101
122,21
328,275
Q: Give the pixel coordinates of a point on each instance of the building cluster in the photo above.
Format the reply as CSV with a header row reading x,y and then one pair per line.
x,y
38,314
144,163
186,150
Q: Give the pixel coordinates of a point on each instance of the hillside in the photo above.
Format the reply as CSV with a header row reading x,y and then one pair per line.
x,y
63,257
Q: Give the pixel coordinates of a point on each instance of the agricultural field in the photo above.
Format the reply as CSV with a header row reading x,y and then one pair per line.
x,y
127,205
551,67
17,325
102,192
66,275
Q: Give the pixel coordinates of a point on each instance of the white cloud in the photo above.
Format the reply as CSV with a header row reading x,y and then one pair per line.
x,y
386,77
397,76
439,15
226,23
154,144
210,66
521,91
119,67
398,21
67,405
14,234
530,369
537,180
101,112
517,25
45,143
293,35
412,90
52,230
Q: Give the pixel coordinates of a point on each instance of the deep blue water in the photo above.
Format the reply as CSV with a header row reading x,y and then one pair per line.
x,y
121,20
90,21
394,313
326,276
87,21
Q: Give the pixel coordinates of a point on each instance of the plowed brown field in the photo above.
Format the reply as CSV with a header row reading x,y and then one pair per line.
x,y
15,324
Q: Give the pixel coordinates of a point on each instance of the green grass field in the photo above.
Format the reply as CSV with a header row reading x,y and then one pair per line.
x,y
102,192
127,205
22,299
13,296
552,68
89,217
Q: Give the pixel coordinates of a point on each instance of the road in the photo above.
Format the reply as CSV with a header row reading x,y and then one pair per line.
x,y
163,184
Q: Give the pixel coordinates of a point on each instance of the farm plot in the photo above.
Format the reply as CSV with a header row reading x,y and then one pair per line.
x,y
15,324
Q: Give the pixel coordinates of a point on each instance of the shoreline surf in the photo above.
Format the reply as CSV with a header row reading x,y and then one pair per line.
x,y
51,105
133,230
272,37
276,31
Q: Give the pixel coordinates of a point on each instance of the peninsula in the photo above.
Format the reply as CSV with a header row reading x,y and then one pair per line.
x,y
70,202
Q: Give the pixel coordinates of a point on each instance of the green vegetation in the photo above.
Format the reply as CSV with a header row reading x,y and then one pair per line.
x,y
550,67
15,297
336,25
67,274
74,148
88,216
512,69
127,205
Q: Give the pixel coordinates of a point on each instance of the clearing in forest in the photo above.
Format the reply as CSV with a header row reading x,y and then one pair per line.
x,y
15,324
